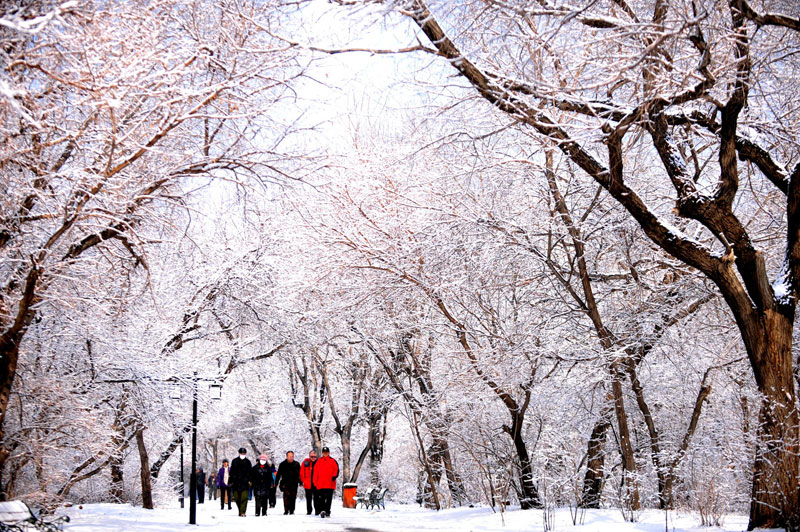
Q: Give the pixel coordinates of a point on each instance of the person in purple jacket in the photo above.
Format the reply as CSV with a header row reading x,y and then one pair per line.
x,y
224,487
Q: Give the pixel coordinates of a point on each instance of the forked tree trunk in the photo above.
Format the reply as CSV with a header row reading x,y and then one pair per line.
x,y
439,454
529,494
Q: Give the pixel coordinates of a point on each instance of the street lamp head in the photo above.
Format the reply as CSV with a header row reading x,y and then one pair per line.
x,y
215,390
175,392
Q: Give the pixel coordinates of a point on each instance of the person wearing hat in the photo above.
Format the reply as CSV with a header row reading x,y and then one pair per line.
x,y
288,479
326,470
224,485
306,477
240,480
261,480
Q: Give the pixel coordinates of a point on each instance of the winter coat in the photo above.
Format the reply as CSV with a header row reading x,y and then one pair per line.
x,y
221,477
261,478
212,479
325,472
200,478
288,474
306,472
239,475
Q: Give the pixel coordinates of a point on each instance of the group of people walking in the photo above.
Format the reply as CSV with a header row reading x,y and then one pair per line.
x,y
240,478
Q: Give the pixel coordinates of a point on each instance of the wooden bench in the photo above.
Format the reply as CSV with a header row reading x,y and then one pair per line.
x,y
17,516
373,499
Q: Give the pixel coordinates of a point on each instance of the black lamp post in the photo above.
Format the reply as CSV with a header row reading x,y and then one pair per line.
x,y
193,474
216,394
183,482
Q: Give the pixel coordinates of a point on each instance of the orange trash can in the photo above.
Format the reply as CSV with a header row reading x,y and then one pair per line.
x,y
349,495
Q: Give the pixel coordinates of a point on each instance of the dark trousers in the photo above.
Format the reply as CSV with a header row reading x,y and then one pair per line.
x,y
262,503
272,498
289,499
201,493
212,492
240,498
310,494
223,492
323,501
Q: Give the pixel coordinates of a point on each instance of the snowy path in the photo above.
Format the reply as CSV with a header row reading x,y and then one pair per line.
x,y
396,518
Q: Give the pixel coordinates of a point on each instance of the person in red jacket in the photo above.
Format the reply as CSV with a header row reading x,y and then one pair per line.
x,y
306,476
326,469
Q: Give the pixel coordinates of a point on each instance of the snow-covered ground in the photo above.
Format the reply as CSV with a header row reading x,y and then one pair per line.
x,y
396,518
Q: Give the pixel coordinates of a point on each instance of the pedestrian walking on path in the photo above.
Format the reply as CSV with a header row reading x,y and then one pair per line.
x,y
224,485
288,479
200,485
326,470
240,480
306,476
212,485
261,480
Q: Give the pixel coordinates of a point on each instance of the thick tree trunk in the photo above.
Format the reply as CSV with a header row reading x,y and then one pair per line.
x,y
595,463
457,492
117,491
9,354
775,470
345,439
529,494
664,499
630,485
116,462
147,489
430,496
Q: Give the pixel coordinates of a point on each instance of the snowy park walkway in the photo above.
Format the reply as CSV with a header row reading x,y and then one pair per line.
x,y
396,518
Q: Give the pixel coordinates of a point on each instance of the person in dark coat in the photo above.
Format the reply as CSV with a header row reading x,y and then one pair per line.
x,y
240,480
274,488
326,470
288,479
224,485
200,485
261,481
212,485
307,478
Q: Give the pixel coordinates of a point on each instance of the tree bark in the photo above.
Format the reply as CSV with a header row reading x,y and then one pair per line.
x,y
430,494
144,472
594,479
529,494
630,484
775,470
